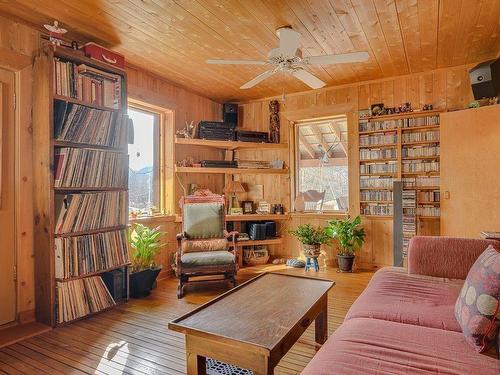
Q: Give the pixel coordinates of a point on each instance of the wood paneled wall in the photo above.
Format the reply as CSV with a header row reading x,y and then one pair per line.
x,y
444,89
17,44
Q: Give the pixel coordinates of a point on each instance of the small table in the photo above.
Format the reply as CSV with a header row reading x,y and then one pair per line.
x,y
254,325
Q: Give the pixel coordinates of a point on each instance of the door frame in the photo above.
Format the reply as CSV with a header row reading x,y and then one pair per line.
x,y
20,65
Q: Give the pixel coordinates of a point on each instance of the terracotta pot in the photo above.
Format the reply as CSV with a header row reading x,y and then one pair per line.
x,y
345,262
311,251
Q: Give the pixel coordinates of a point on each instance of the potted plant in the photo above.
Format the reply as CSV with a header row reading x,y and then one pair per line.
x,y
350,236
311,238
146,244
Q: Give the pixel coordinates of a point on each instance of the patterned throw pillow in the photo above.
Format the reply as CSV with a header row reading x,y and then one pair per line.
x,y
477,309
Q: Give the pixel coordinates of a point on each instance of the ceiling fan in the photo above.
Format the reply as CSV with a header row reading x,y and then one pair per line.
x,y
288,58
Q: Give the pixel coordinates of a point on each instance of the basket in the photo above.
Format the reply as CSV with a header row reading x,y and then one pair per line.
x,y
256,255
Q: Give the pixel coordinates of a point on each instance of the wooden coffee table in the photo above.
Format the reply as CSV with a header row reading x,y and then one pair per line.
x,y
255,324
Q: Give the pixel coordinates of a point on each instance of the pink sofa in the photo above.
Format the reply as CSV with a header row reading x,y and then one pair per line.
x,y
404,322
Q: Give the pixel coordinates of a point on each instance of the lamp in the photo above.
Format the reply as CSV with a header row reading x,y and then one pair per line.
x,y
234,187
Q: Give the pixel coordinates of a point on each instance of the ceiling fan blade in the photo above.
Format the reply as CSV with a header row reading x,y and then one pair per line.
x,y
308,78
289,40
236,62
337,59
258,79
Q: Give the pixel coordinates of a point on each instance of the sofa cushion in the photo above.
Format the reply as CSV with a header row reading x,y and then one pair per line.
x,y
420,300
478,306
210,244
203,220
210,258
373,346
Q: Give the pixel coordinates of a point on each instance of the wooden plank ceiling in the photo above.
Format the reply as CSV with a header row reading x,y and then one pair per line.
x,y
173,38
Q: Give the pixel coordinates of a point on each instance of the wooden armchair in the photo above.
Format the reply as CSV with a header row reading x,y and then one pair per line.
x,y
204,244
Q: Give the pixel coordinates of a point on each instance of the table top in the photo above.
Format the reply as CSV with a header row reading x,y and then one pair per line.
x,y
259,312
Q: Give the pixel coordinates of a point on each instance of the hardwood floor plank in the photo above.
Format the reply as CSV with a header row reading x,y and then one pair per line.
x,y
133,338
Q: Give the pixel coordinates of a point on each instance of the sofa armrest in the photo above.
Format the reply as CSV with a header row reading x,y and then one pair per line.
x,y
449,257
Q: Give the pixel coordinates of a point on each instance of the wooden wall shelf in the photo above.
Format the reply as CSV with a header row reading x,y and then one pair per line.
x,y
270,241
231,170
404,115
230,145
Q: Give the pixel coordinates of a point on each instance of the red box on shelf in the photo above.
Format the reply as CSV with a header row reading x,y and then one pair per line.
x,y
95,51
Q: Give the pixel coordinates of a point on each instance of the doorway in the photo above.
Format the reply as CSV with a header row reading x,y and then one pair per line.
x,y
7,199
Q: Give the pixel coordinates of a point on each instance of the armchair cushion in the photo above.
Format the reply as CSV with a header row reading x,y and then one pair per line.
x,y
203,220
210,258
214,244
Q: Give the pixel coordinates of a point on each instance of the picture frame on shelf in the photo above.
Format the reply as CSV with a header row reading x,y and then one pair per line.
x,y
247,207
263,208
235,211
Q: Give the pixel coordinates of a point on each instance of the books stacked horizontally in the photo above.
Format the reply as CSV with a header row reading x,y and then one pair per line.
x,y
87,84
76,168
90,211
77,298
80,124
81,255
258,164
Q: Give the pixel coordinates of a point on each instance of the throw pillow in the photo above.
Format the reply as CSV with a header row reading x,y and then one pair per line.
x,y
477,309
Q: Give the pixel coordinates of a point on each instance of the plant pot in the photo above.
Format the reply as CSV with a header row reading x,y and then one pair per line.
x,y
311,251
345,262
142,282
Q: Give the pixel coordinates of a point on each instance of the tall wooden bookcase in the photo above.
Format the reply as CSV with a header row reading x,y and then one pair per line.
x,y
45,192
393,148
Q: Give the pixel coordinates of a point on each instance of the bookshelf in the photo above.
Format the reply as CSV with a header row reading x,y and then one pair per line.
x,y
81,184
400,147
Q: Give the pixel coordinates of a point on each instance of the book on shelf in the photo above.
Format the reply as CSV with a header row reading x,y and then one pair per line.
x,y
376,195
376,209
376,182
80,297
421,136
80,168
392,124
90,211
420,182
387,167
416,166
374,153
378,139
79,255
428,210
418,151
81,124
87,84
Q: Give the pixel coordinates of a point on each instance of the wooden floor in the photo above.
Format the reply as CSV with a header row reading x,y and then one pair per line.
x,y
134,339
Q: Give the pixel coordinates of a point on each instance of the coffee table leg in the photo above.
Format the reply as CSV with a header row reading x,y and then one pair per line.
x,y
196,364
321,323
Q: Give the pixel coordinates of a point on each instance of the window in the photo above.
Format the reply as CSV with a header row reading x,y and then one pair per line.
x,y
321,163
144,161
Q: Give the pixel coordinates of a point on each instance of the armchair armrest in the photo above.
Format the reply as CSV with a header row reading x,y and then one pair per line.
x,y
232,236
449,257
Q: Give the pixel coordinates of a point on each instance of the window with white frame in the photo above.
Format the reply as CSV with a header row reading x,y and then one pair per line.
x,y
321,164
144,161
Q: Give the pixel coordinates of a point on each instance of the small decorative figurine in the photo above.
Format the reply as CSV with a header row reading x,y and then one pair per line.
x,y
55,33
274,121
187,131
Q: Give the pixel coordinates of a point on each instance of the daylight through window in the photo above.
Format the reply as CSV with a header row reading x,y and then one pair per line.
x,y
144,181
322,168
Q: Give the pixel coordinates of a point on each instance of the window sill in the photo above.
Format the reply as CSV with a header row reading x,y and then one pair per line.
x,y
152,219
327,214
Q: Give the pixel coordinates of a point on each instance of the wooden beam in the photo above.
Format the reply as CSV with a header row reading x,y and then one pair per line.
x,y
319,136
308,147
336,129
333,162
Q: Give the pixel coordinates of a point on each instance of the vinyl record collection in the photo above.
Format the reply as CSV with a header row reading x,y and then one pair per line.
x,y
80,255
76,168
77,298
87,84
90,211
81,124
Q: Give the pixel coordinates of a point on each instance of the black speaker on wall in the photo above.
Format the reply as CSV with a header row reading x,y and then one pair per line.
x,y
485,79
230,113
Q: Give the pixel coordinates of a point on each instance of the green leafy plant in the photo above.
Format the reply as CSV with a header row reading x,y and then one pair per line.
x,y
310,235
146,244
349,234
